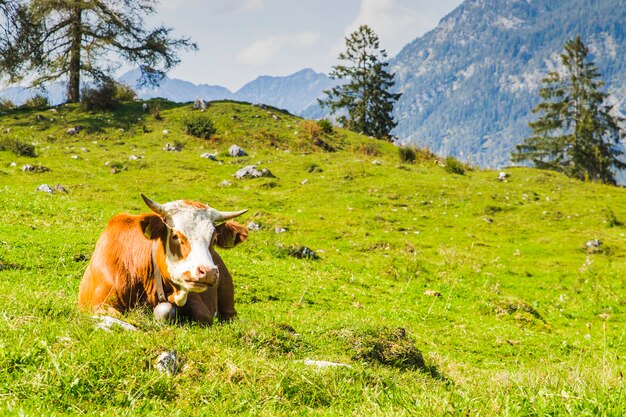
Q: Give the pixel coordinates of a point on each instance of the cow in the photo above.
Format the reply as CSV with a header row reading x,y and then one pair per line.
x,y
167,256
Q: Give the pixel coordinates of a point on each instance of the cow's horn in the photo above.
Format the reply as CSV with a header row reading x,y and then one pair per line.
x,y
220,216
156,207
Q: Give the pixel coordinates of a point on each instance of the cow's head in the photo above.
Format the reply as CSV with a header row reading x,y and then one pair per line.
x,y
187,229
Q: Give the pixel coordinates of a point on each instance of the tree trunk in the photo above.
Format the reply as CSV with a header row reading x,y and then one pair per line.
x,y
73,86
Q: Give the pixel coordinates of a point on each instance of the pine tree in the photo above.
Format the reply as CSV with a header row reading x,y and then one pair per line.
x,y
365,92
46,40
576,133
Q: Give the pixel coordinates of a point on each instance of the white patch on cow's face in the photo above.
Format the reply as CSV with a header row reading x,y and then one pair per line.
x,y
188,259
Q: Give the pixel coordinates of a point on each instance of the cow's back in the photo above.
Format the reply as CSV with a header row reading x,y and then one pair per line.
x,y
119,267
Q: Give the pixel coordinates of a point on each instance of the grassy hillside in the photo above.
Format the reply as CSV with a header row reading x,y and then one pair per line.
x,y
445,293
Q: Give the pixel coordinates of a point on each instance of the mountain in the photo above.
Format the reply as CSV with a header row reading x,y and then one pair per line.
x,y
469,85
295,92
175,89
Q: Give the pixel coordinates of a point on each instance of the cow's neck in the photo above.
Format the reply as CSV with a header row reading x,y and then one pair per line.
x,y
178,296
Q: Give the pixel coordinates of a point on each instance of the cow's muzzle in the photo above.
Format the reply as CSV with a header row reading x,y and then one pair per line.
x,y
205,276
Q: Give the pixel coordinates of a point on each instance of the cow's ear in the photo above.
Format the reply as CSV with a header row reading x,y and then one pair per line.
x,y
153,227
230,234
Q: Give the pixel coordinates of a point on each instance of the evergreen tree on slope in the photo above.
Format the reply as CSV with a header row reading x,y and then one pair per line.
x,y
576,133
48,40
364,95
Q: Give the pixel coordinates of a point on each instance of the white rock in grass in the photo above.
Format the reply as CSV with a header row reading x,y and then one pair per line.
x,y
106,323
45,188
168,363
325,364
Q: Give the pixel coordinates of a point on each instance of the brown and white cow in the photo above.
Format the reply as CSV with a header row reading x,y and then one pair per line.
x,y
174,245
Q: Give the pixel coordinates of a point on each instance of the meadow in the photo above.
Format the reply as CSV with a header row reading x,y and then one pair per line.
x,y
447,292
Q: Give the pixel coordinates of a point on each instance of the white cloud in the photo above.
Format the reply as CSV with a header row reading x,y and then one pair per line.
x,y
216,6
396,22
263,51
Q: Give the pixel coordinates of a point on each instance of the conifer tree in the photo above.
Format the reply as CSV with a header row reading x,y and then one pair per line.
x,y
576,133
46,40
365,90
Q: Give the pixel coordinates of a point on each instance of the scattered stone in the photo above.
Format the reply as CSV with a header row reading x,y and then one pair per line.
x,y
260,105
432,293
275,117
133,158
171,148
304,181
594,246
58,187
168,363
593,243
236,151
279,229
488,220
74,157
165,131
225,183
211,156
84,149
45,188
74,130
199,104
250,171
35,168
502,176
325,364
376,162
13,164
106,323
304,253
253,227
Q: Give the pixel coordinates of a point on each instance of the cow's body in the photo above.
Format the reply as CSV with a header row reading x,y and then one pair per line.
x,y
121,273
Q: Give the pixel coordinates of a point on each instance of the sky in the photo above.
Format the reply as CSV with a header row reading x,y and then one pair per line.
x,y
239,40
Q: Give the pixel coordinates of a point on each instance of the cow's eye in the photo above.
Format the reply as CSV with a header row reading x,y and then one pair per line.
x,y
174,237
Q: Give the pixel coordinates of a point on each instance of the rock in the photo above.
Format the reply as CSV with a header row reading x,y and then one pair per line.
x,y
171,148
304,253
225,183
376,162
488,220
165,131
211,156
275,117
250,171
502,176
74,157
325,364
199,104
432,293
74,130
260,105
593,243
35,168
253,227
304,181
45,188
279,229
13,164
58,187
133,158
84,149
106,323
168,363
236,151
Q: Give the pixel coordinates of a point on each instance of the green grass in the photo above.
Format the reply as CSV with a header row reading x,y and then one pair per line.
x,y
528,322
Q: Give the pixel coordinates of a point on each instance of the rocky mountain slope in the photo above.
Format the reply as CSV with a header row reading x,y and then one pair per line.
x,y
469,85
